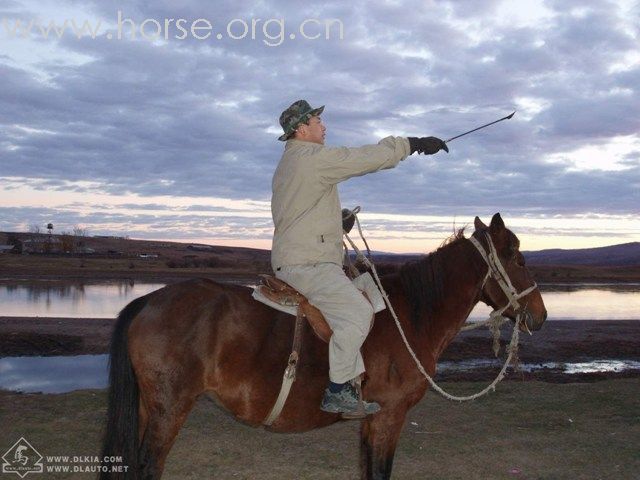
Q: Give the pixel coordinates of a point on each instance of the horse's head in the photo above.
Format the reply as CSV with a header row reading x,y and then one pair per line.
x,y
509,281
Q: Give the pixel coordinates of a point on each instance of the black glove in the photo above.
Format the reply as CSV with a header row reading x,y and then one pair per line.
x,y
348,219
427,145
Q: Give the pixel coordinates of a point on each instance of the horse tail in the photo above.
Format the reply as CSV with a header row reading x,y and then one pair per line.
x,y
121,434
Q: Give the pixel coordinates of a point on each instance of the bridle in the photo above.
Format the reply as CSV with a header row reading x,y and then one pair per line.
x,y
497,271
499,274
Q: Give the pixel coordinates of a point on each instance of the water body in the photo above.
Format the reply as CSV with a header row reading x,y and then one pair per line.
x,y
72,300
584,302
569,368
66,374
53,374
105,300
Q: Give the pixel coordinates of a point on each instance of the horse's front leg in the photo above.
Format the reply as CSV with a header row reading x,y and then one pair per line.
x,y
379,436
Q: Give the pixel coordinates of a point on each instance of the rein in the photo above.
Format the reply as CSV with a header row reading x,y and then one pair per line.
x,y
498,273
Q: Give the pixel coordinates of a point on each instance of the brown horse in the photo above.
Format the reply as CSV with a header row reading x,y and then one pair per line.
x,y
202,337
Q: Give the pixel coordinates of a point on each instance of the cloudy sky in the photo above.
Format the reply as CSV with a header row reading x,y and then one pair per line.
x,y
172,134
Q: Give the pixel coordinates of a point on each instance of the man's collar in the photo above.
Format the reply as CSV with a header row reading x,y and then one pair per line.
x,y
294,141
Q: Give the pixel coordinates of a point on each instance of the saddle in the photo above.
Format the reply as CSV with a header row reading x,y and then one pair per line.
x,y
284,294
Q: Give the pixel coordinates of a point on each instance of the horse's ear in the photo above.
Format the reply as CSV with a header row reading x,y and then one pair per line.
x,y
479,224
496,223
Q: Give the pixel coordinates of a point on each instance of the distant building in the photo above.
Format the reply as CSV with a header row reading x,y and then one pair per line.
x,y
44,244
7,248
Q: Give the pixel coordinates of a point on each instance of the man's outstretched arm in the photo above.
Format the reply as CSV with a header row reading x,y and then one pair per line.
x,y
336,164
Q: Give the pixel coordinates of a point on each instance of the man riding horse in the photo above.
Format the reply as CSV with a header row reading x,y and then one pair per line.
x,y
307,243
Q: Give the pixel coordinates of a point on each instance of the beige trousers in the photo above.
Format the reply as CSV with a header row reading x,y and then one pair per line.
x,y
347,312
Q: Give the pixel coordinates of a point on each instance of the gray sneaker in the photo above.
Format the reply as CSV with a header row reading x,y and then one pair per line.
x,y
348,403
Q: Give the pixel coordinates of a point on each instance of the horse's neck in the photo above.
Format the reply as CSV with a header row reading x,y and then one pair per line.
x,y
469,270
464,272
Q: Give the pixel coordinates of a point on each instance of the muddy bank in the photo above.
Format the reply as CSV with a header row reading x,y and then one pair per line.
x,y
21,336
558,341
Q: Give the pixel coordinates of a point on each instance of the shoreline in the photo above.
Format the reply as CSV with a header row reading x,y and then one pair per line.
x,y
557,341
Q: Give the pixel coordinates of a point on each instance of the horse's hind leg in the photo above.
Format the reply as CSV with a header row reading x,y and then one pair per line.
x,y
378,441
168,390
165,414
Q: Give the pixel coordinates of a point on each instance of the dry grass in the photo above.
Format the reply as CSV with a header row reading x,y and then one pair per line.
x,y
16,268
530,430
584,273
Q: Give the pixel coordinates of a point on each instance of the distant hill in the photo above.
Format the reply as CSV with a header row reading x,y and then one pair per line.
x,y
623,255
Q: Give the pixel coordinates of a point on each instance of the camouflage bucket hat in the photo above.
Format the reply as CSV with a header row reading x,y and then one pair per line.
x,y
299,112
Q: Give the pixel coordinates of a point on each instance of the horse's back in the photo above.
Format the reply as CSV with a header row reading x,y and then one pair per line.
x,y
189,315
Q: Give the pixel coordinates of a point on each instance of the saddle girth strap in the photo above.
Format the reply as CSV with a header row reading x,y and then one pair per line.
x,y
290,372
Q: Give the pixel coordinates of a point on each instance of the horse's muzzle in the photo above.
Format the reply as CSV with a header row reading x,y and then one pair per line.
x,y
530,323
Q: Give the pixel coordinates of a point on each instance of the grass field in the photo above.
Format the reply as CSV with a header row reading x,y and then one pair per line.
x,y
525,430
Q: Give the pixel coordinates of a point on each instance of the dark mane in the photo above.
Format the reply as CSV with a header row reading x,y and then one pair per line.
x,y
422,281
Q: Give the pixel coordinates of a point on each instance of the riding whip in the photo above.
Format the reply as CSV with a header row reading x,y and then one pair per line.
x,y
508,117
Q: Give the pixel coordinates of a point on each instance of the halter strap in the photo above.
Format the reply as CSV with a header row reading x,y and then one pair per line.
x,y
499,274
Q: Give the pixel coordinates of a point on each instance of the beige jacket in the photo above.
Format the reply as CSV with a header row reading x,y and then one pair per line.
x,y
305,205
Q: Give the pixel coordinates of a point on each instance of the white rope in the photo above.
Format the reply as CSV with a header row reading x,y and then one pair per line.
x,y
492,320
496,270
495,322
287,381
491,387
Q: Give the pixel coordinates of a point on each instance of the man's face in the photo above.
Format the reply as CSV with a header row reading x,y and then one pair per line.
x,y
312,131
